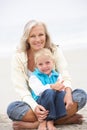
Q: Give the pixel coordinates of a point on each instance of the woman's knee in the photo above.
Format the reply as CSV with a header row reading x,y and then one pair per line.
x,y
16,110
79,96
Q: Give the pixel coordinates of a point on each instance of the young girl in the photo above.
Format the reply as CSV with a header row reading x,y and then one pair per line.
x,y
46,89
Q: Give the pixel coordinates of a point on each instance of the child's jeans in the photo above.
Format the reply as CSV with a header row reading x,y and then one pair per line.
x,y
53,101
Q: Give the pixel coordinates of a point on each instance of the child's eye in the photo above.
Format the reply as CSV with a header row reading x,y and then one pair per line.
x,y
47,62
40,64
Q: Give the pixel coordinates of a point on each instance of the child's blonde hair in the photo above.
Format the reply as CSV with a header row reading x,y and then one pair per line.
x,y
43,52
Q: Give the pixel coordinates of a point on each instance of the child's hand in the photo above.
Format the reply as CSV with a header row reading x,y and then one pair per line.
x,y
58,85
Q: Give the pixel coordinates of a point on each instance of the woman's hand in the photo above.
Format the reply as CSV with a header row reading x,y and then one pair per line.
x,y
41,112
68,99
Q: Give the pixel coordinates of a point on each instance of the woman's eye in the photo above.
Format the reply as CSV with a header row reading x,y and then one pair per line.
x,y
32,36
41,34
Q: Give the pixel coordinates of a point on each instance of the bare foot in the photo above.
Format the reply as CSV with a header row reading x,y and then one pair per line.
x,y
42,125
50,125
75,119
18,125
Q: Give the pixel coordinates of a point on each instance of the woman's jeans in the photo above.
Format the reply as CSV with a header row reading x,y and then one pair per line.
x,y
16,110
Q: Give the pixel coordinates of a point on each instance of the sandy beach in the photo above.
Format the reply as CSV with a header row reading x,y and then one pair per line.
x,y
77,60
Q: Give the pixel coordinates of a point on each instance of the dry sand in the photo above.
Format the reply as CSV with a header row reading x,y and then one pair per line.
x,y
77,60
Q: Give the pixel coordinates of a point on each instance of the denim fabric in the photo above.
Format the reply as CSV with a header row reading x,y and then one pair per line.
x,y
54,102
17,109
79,96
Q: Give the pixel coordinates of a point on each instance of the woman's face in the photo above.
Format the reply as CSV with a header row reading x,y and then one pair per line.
x,y
37,38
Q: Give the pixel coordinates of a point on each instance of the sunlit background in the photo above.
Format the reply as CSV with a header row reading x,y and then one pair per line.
x,y
65,19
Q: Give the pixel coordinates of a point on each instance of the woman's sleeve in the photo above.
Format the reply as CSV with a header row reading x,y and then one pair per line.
x,y
20,82
62,66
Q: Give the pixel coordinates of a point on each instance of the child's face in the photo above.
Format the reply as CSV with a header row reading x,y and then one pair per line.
x,y
45,64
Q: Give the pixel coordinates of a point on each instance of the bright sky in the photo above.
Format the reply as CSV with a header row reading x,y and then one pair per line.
x,y
65,19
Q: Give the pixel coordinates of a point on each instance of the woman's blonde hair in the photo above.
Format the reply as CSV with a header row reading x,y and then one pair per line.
x,y
43,52
24,45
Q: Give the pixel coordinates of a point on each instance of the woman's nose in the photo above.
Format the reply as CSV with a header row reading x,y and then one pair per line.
x,y
37,38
